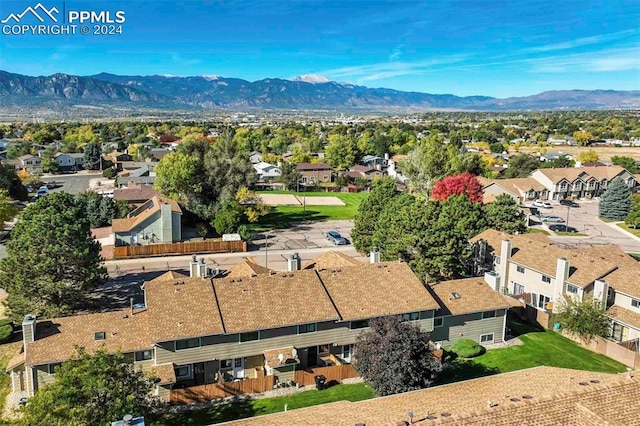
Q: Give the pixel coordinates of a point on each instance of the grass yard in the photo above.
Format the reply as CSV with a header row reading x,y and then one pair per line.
x,y
624,226
282,216
537,231
635,255
541,347
570,234
249,408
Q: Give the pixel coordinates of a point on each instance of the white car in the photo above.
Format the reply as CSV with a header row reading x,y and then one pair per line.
x,y
543,204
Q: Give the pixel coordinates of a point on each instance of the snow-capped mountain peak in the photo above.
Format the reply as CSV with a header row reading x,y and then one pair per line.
x,y
312,78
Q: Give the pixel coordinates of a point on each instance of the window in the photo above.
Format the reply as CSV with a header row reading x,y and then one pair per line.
x,y
489,314
520,269
323,349
325,178
226,364
518,288
546,279
635,303
52,367
542,301
237,363
346,352
572,289
437,322
183,372
143,355
413,316
101,335
359,324
187,344
307,328
250,336
486,338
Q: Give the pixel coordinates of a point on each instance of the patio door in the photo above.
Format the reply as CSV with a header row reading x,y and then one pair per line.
x,y
198,373
238,368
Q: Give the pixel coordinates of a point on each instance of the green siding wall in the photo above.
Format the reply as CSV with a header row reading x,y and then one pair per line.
x,y
470,326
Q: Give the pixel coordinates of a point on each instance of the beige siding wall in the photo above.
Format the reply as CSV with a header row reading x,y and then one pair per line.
x,y
624,301
43,376
531,280
227,347
163,392
470,326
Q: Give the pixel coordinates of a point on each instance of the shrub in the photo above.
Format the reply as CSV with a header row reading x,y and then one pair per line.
x,y
109,173
6,330
466,348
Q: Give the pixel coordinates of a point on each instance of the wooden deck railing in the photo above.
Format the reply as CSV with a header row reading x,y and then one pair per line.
x,y
209,246
221,390
335,372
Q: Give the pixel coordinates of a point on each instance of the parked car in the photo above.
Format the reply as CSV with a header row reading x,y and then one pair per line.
x,y
562,228
543,204
52,184
43,188
336,238
569,203
554,219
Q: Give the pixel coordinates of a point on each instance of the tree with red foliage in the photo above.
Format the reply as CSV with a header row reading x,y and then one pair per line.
x,y
462,184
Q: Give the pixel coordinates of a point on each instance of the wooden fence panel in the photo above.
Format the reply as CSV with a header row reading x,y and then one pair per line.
x,y
209,246
335,372
221,390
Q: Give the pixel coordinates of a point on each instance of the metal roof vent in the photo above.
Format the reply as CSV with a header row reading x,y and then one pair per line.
x,y
456,295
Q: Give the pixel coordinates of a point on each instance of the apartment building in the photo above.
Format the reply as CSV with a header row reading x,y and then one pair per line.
x,y
535,270
196,330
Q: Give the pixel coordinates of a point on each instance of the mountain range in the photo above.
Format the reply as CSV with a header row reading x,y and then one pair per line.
x,y
309,92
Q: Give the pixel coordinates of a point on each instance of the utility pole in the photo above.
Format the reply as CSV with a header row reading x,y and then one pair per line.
x,y
566,225
266,250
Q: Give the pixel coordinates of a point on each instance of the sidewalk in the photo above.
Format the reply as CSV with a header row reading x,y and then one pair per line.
x,y
615,226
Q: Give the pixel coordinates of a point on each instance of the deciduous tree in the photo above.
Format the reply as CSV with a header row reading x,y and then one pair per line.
x,y
462,184
342,151
521,166
582,138
52,260
585,318
8,209
615,203
627,162
588,156
633,218
91,390
394,356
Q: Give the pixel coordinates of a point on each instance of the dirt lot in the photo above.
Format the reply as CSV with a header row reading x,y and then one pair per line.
x,y
604,152
280,200
321,201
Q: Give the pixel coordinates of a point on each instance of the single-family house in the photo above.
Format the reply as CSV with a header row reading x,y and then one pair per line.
x,y
375,162
135,194
158,220
267,172
30,163
138,176
255,157
314,173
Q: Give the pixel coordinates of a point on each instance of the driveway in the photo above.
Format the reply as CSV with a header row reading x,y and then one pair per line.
x,y
585,220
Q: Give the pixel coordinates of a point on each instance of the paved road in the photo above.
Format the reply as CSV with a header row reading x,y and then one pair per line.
x,y
585,220
72,183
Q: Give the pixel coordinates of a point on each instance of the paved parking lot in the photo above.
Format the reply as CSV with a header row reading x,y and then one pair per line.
x,y
73,183
585,220
304,235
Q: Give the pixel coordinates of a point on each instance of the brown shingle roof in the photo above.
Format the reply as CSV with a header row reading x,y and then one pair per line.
x,y
246,268
374,290
624,315
467,402
475,296
142,213
139,194
572,173
270,301
313,166
165,373
331,260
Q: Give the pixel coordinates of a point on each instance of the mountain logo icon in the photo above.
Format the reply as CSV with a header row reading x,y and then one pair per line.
x,y
50,13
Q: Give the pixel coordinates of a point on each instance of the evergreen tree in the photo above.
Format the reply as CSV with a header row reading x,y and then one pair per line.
x,y
369,211
615,203
52,260
503,214
92,156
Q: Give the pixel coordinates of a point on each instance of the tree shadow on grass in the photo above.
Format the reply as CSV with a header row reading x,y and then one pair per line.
x,y
460,369
215,412
519,327
281,220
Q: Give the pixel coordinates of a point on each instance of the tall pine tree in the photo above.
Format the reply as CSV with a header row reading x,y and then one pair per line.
x,y
615,203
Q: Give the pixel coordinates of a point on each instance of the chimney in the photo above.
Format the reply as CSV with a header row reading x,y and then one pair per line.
x,y
601,292
293,262
505,259
562,273
126,420
386,156
203,271
28,330
193,267
131,306
374,256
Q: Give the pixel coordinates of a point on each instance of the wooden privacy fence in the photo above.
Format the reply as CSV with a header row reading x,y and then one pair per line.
x,y
221,390
335,372
610,349
210,246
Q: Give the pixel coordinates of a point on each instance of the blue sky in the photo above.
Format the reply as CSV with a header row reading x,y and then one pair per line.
x,y
484,47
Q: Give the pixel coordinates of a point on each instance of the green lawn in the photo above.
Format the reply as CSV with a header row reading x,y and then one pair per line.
x,y
249,408
541,347
570,234
283,216
537,231
635,255
624,226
